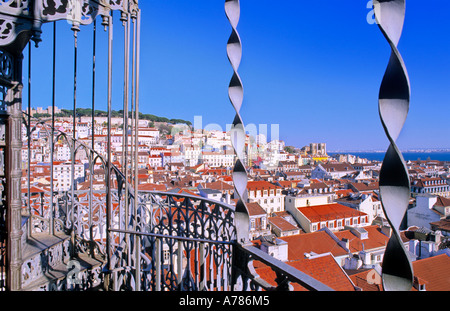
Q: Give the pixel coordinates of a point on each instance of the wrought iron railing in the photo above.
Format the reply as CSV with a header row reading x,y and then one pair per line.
x,y
186,244
173,242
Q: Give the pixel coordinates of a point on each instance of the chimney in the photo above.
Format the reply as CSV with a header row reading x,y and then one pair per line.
x,y
345,243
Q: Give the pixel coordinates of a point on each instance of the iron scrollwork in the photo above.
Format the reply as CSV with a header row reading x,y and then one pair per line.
x,y
19,16
185,244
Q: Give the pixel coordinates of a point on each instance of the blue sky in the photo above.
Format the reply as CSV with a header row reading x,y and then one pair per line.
x,y
312,67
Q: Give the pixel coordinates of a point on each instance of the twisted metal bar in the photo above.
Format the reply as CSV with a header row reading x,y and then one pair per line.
x,y
237,132
393,105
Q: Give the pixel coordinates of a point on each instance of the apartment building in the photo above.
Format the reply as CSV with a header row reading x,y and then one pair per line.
x,y
268,195
333,216
332,171
308,194
431,185
62,174
218,159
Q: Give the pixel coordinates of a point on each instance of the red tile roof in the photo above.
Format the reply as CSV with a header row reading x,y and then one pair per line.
x,y
34,189
434,272
362,186
254,209
323,268
282,223
151,187
261,185
343,192
441,201
376,239
329,212
318,242
217,185
368,280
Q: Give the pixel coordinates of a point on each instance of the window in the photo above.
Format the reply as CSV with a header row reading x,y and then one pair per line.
x,y
314,227
166,255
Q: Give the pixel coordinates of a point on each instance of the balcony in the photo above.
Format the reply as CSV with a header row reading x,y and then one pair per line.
x,y
167,242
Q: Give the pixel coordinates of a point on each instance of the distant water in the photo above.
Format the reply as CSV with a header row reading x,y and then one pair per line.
x,y
408,156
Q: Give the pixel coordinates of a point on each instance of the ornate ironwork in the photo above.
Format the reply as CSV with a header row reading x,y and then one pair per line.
x,y
6,66
394,182
186,244
19,16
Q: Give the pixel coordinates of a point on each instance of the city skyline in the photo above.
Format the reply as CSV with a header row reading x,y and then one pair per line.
x,y
310,68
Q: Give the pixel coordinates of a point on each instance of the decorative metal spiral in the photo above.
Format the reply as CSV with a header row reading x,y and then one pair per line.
x,y
394,183
237,132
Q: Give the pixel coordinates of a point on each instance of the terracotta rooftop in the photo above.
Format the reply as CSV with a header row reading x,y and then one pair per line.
x,y
361,186
255,209
329,212
367,280
375,239
323,268
288,183
441,201
443,225
261,185
217,185
434,272
151,187
318,242
282,223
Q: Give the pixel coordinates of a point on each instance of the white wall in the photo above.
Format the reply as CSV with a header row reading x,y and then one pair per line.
x,y
422,214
